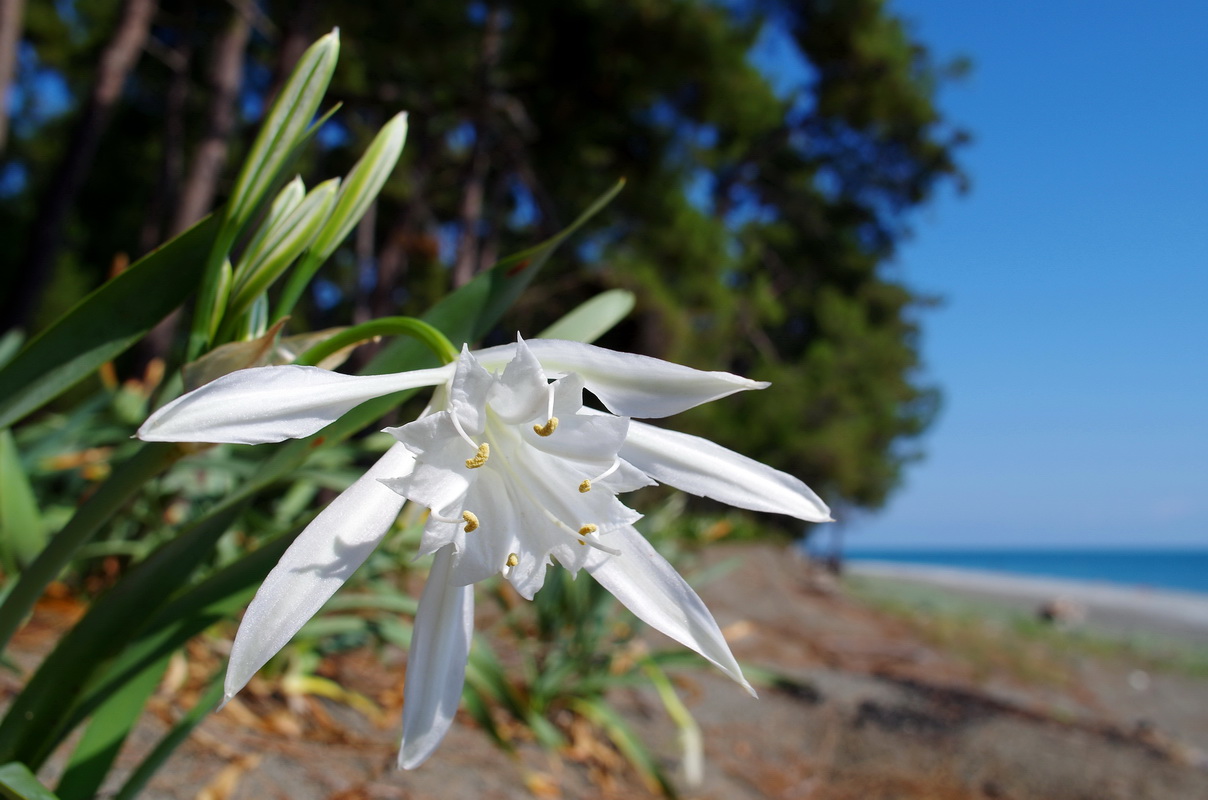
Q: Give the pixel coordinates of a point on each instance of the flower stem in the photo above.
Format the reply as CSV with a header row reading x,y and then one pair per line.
x,y
436,341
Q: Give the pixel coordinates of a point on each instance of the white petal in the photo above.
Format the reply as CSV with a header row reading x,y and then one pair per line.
x,y
468,392
628,384
436,664
522,391
649,586
270,404
318,562
701,467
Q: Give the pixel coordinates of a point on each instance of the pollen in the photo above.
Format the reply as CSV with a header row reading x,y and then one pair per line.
x,y
588,528
471,521
513,559
546,429
585,487
484,452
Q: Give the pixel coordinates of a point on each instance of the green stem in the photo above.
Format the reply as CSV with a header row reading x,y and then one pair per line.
x,y
125,482
205,315
436,341
296,284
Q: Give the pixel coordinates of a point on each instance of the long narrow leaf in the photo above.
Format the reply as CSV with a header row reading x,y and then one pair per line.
x,y
592,319
93,757
22,535
18,783
31,728
104,324
122,485
174,738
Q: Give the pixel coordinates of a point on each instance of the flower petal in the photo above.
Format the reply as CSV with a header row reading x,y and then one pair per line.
x,y
628,384
436,664
649,586
701,467
270,404
318,562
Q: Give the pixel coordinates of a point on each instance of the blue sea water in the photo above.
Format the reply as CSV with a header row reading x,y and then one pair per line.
x,y
1182,570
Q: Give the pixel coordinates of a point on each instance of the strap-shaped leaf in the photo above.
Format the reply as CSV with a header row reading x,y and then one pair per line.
x,y
105,323
22,534
96,751
18,783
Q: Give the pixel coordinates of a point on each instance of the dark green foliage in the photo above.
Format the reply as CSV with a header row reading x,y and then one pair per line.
x,y
755,228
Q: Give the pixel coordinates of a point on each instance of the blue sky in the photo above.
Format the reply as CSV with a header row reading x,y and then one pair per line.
x,y
1073,346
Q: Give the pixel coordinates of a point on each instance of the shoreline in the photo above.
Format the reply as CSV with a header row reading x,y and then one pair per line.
x,y
1134,610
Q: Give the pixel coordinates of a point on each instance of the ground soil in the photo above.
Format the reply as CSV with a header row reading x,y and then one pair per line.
x,y
865,707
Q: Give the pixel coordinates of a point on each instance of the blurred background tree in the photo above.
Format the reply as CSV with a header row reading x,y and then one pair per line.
x,y
757,227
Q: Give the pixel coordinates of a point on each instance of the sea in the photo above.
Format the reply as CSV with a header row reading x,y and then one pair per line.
x,y
1180,570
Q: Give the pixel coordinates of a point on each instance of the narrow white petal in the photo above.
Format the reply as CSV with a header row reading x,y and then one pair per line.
x,y
315,565
649,586
436,664
701,467
270,404
629,385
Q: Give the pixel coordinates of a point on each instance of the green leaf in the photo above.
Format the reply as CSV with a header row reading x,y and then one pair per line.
x,y
592,319
358,190
22,532
287,122
125,482
10,343
18,783
174,738
216,598
33,725
98,748
283,241
105,323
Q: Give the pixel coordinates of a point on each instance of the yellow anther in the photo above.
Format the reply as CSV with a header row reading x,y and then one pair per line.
x,y
588,528
513,559
585,487
471,521
484,452
547,428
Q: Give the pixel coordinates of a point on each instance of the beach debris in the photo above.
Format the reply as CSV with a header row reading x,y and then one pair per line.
x,y
1062,611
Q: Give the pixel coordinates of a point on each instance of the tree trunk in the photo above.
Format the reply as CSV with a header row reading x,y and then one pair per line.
x,y
226,77
172,163
466,261
12,14
117,60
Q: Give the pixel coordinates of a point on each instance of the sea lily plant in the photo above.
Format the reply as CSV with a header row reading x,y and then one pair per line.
x,y
517,473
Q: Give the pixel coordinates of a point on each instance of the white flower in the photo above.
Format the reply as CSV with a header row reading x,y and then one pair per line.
x,y
517,474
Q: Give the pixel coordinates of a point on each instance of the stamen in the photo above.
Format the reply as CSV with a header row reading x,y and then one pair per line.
x,y
594,541
468,517
462,431
484,452
585,486
552,425
513,559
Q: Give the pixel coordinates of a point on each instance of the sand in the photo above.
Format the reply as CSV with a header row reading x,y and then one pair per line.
x,y
1106,605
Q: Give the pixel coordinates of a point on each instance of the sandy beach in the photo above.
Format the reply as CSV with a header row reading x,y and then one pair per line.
x,y
1106,605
